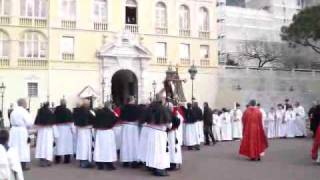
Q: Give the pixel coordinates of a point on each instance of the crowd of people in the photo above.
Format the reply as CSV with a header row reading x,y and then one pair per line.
x,y
145,135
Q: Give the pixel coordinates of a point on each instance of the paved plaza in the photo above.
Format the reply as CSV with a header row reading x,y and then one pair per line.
x,y
285,160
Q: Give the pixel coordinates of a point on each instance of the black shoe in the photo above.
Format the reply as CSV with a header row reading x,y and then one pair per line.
x,y
110,166
86,165
25,166
99,165
57,159
126,164
160,173
173,167
190,148
66,159
207,144
197,147
135,165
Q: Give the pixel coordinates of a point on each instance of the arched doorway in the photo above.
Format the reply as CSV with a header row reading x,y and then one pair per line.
x,y
124,84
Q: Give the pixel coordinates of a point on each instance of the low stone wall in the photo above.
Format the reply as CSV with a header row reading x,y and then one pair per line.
x,y
268,86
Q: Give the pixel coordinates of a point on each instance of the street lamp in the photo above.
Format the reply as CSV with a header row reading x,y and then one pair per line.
x,y
154,86
192,71
2,90
103,83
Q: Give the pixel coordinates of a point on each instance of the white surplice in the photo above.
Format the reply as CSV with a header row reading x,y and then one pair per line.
x,y
290,118
271,121
301,129
281,124
105,149
20,120
64,142
226,127
10,164
129,148
216,127
84,143
236,117
45,139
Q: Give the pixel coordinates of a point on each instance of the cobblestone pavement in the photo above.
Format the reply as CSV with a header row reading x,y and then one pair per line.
x,y
284,160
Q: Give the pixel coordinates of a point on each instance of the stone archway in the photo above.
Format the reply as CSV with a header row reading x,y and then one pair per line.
x,y
124,83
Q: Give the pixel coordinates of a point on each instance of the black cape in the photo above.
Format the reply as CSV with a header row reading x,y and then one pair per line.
x,y
83,117
105,119
45,117
197,113
190,116
63,115
130,113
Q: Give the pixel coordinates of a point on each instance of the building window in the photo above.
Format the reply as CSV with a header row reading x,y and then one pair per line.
x,y
33,45
184,51
161,15
33,8
131,12
100,10
4,7
68,9
67,47
161,50
184,18
4,44
32,89
203,20
204,51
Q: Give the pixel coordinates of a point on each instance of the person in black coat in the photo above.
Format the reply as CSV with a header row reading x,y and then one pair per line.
x,y
207,124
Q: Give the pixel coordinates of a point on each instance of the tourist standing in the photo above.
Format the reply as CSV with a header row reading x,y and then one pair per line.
x,y
207,122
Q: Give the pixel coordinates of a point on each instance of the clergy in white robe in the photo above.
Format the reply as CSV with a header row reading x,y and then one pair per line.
x,y
66,130
226,125
10,167
264,117
216,125
45,135
271,121
21,120
290,118
301,128
281,124
105,150
198,114
84,118
129,148
236,115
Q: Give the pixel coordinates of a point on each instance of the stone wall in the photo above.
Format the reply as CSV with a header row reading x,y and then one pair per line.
x,y
268,86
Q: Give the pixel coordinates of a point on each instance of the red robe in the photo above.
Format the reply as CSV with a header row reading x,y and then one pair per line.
x,y
254,140
316,145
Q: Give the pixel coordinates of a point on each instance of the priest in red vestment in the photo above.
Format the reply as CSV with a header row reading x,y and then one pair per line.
x,y
316,147
254,141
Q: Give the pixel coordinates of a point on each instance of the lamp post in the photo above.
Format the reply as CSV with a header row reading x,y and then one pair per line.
x,y
2,90
154,86
103,83
192,71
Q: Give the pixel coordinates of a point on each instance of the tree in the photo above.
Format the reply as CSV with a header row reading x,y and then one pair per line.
x,y
262,52
305,29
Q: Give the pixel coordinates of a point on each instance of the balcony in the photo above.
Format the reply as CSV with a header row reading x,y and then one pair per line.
x,y
161,30
133,28
100,26
40,22
5,20
68,56
161,60
4,62
32,63
205,62
25,21
185,61
68,24
184,32
204,34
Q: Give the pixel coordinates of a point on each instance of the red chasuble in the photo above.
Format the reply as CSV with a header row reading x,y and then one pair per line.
x,y
316,145
254,140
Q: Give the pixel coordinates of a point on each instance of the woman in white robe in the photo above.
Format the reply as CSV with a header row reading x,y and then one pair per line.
x,y
237,122
216,125
281,124
300,120
226,126
290,118
21,120
271,121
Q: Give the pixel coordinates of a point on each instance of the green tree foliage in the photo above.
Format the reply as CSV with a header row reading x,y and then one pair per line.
x,y
305,29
